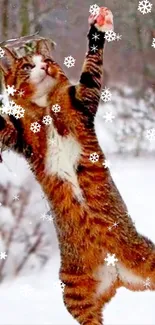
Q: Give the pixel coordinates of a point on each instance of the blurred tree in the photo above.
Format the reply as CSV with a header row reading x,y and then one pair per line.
x,y
5,18
23,237
24,17
4,26
36,25
136,29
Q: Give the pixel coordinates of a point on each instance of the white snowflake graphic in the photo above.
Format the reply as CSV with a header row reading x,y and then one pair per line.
x,y
18,111
145,6
96,37
147,283
50,219
94,9
47,216
150,134
43,216
118,37
94,157
47,120
16,197
106,95
7,108
2,52
106,163
3,255
56,108
108,117
69,61
35,127
52,142
128,214
10,90
110,36
111,259
153,43
11,108
94,48
21,93
113,226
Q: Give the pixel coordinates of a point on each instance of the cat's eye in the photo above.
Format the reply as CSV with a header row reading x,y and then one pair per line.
x,y
48,61
27,66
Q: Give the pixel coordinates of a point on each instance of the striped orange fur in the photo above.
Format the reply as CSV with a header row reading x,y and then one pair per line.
x,y
82,194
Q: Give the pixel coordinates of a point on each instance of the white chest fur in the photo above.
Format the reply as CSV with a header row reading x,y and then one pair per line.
x,y
63,154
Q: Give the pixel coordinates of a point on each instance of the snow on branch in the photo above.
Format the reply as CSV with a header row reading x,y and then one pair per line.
x,y
134,126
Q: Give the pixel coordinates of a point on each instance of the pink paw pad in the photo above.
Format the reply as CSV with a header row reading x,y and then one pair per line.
x,y
103,21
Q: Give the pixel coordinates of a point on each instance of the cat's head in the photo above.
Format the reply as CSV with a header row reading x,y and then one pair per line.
x,y
34,75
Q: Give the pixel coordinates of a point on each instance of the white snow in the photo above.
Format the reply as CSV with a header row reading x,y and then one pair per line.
x,y
37,299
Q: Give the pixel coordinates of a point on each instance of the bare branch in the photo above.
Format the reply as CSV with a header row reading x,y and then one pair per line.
x,y
31,249
145,115
12,232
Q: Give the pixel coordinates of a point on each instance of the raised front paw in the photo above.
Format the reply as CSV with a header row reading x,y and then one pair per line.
x,y
103,21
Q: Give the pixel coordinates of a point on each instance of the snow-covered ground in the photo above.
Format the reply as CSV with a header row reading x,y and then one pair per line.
x,y
37,299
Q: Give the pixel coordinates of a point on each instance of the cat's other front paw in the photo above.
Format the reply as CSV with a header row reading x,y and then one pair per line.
x,y
103,21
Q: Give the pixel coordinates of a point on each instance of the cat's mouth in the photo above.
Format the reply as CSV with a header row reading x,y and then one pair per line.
x,y
44,76
42,79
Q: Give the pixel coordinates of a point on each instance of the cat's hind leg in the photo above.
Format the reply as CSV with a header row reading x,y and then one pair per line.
x,y
82,299
136,265
79,300
139,279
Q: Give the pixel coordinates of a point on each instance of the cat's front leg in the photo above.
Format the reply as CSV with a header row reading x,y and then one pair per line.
x,y
89,88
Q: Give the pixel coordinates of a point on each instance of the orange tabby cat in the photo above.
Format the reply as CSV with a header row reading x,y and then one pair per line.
x,y
80,190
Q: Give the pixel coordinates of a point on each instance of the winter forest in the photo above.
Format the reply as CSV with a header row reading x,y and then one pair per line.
x,y
30,292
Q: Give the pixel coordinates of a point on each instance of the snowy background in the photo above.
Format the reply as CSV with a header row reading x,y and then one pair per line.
x,y
30,292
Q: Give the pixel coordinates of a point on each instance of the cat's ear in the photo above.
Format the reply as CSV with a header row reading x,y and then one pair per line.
x,y
7,60
45,47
